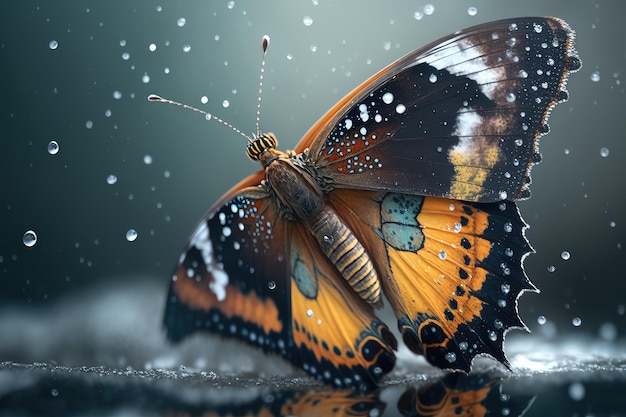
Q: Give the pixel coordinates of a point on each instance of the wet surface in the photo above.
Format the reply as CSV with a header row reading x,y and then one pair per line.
x,y
38,389
103,352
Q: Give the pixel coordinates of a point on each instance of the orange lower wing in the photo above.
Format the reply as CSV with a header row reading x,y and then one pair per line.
x,y
454,269
338,337
251,274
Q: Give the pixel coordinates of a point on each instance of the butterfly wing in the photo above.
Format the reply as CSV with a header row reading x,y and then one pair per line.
x,y
453,269
250,274
458,118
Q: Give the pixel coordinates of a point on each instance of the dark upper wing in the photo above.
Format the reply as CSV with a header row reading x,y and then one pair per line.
x,y
247,273
458,118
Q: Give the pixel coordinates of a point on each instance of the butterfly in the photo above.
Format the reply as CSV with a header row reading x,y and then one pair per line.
x,y
405,189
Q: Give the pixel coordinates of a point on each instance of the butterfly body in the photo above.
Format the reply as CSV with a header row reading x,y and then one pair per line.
x,y
298,190
406,187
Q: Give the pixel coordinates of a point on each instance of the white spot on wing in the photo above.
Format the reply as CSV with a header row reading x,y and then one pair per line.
x,y
466,124
201,241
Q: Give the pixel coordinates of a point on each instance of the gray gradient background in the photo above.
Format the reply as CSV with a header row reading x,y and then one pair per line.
x,y
81,221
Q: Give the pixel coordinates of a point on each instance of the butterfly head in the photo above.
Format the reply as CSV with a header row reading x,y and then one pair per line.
x,y
265,142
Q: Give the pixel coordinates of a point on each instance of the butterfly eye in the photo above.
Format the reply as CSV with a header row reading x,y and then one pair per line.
x,y
256,148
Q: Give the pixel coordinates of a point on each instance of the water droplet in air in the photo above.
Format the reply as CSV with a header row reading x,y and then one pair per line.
x,y
429,9
181,22
111,179
577,321
88,124
53,147
186,48
271,285
418,15
565,255
54,392
230,4
472,11
131,235
53,44
117,95
225,103
204,99
147,159
576,391
309,313
608,332
432,78
152,47
541,320
595,76
451,357
29,238
551,268
307,20
604,152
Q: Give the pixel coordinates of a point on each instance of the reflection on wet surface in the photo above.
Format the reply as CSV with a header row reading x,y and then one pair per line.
x,y
42,389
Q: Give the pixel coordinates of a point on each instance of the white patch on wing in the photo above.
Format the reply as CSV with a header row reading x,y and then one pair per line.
x,y
460,57
201,241
467,122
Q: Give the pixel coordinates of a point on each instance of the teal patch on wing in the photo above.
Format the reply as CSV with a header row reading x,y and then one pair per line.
x,y
399,226
304,276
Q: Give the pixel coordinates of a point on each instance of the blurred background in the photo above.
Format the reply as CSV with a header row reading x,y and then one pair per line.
x,y
78,73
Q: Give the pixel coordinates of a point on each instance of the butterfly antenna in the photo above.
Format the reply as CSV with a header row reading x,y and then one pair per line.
x,y
265,43
208,116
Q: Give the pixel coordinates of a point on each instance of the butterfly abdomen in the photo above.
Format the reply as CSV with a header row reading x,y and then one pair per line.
x,y
300,194
347,254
